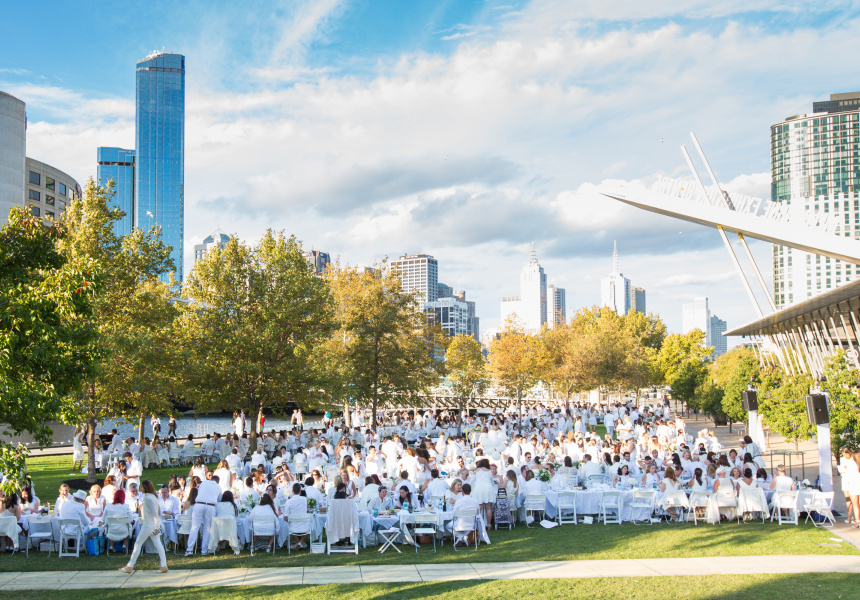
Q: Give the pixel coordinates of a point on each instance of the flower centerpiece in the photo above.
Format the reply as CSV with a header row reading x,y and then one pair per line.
x,y
556,466
312,505
543,475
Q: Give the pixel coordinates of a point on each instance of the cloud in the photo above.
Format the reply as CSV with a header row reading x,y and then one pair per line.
x,y
686,279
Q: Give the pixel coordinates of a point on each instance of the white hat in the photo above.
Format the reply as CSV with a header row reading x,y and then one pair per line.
x,y
80,495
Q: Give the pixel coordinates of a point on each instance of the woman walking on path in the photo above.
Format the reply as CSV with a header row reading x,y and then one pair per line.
x,y
148,529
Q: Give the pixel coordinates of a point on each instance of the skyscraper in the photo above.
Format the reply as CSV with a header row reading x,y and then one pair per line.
x,y
615,289
159,178
718,328
117,164
697,315
556,309
530,307
318,260
217,239
637,299
815,167
419,273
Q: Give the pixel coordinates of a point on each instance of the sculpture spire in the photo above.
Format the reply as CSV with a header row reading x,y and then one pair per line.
x,y
615,257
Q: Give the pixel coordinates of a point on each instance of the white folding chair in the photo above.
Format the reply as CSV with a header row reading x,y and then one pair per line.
x,y
183,527
678,500
821,503
610,504
594,480
390,536
751,501
785,501
117,529
425,525
40,529
70,530
534,503
175,455
462,524
643,501
698,501
566,508
295,521
338,512
263,526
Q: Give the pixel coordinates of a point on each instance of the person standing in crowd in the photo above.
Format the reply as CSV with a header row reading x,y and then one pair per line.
x,y
208,495
149,529
171,427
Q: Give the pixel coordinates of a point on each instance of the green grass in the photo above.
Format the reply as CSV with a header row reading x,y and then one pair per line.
x,y
821,586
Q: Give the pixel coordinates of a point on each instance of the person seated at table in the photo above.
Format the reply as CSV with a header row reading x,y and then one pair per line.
x,y
340,492
234,461
119,472
266,508
226,507
466,502
698,483
95,503
763,478
403,498
118,510
298,505
168,504
75,510
109,489
11,508
312,492
62,498
454,493
670,483
747,481
781,483
533,485
370,491
568,468
199,469
434,486
623,478
381,502
651,479
175,488
260,481
29,501
589,468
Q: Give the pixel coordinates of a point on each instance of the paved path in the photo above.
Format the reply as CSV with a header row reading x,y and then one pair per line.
x,y
649,567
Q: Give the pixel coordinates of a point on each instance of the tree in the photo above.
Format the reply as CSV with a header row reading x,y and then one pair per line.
x,y
393,354
45,333
733,372
517,360
844,404
784,409
254,318
643,337
467,370
129,315
678,349
572,355
687,380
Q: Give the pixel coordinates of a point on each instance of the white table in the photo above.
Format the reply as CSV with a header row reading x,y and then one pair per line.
x,y
588,503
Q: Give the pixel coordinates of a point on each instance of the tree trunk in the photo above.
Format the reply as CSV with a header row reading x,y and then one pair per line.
x,y
141,423
258,412
520,410
346,416
91,451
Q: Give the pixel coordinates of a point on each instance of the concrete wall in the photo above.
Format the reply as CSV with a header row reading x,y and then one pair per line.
x,y
13,149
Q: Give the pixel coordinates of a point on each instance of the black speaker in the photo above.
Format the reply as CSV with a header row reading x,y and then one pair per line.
x,y
816,409
749,398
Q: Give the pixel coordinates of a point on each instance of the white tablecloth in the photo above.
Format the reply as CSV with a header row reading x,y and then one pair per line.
x,y
588,503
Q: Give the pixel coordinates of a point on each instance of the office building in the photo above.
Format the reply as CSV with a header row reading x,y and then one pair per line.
x,y
529,309
318,260
556,308
473,320
451,314
815,167
615,289
444,291
718,328
159,176
117,165
217,239
13,151
697,315
637,299
419,273
49,190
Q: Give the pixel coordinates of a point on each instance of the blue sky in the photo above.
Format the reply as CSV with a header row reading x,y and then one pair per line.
x,y
465,129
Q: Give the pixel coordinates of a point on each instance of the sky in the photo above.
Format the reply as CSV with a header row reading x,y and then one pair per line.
x,y
464,129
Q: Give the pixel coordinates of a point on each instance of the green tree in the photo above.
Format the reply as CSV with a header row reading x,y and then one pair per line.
x,y
45,333
393,354
733,372
643,336
517,361
784,409
129,314
572,355
844,404
254,318
678,349
467,370
685,384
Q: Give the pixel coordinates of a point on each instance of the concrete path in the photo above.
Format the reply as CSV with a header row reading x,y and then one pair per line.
x,y
649,567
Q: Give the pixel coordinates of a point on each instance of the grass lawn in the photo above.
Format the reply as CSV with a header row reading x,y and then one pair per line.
x,y
823,586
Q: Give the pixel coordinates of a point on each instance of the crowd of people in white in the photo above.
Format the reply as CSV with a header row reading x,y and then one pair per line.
x,y
432,459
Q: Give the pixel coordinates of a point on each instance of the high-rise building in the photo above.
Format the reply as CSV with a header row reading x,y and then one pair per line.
x,y
217,239
318,260
556,306
718,328
444,291
451,314
637,299
815,167
530,307
419,273
697,315
474,321
159,178
13,151
615,289
49,190
117,165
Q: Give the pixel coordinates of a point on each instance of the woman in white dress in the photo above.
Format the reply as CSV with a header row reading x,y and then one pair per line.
x,y
454,493
670,484
109,489
78,451
726,492
854,487
483,491
623,478
95,504
651,479
847,470
698,483
199,469
149,528
225,476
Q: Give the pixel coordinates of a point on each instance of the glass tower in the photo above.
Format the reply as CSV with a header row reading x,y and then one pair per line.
x,y
159,178
117,164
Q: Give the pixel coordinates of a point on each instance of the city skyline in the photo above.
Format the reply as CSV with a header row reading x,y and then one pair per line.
x,y
511,126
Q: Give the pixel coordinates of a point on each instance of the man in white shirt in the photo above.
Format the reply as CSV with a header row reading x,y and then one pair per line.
x,y
75,509
609,423
297,505
589,467
466,502
434,486
208,445
189,444
208,495
312,492
258,458
134,470
381,502
133,446
234,461
168,505
133,499
116,441
370,491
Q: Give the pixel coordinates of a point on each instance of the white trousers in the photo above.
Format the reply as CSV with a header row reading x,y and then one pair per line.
x,y
200,517
145,534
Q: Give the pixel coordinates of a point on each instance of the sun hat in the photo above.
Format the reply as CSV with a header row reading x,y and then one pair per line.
x,y
80,495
